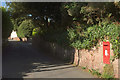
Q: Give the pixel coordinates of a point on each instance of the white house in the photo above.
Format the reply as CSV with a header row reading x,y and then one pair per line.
x,y
13,34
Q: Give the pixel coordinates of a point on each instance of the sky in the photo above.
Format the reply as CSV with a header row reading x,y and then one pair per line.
x,y
3,2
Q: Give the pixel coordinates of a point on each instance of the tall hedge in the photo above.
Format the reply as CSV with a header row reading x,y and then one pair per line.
x,y
25,29
7,25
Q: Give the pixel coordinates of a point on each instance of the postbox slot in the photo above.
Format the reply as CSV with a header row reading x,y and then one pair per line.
x,y
105,45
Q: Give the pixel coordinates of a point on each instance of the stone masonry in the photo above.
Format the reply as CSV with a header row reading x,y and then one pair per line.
x,y
92,59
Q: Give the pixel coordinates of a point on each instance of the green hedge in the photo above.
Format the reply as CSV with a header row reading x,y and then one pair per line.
x,y
58,35
25,29
84,37
89,37
7,25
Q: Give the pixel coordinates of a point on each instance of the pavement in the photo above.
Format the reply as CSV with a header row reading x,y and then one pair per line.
x,y
22,60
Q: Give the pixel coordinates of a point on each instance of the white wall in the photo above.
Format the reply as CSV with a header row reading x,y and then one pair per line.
x,y
13,34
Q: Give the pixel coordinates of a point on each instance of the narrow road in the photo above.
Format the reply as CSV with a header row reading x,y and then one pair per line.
x,y
21,60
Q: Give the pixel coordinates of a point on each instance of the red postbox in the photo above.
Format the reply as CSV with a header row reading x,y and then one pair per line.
x,y
106,52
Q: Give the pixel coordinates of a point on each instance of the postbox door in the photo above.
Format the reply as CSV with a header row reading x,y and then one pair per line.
x,y
106,52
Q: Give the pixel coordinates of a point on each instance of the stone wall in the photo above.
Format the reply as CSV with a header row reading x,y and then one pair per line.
x,y
54,49
92,59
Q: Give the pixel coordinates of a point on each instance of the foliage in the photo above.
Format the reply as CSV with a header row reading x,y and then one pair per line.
x,y
83,67
36,31
89,37
7,25
108,71
58,36
93,13
25,29
39,11
17,22
95,72
66,19
79,25
92,23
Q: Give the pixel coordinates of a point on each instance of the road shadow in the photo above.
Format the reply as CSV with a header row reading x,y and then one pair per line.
x,y
20,58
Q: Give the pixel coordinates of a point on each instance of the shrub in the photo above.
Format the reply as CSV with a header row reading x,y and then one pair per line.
x,y
7,25
35,31
25,29
89,37
108,71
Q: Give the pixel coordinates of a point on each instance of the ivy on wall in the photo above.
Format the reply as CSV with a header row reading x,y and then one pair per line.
x,y
89,38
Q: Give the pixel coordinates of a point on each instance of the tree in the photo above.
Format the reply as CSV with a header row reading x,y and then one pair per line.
x,y
25,29
93,13
7,25
38,11
17,22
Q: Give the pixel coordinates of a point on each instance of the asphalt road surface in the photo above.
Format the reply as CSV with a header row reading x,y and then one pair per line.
x,y
21,60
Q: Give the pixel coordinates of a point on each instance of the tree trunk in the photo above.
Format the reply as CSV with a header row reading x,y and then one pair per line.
x,y
47,22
